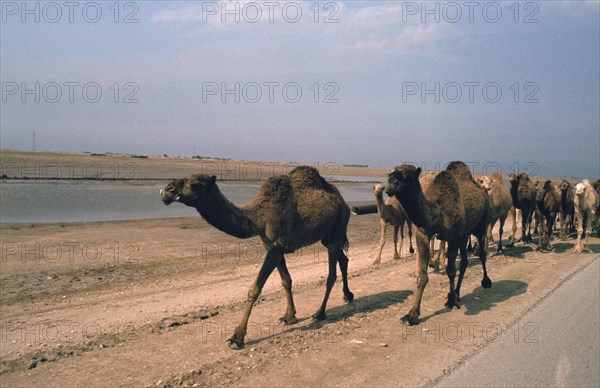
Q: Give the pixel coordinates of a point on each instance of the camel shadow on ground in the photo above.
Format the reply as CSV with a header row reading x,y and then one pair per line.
x,y
365,304
482,300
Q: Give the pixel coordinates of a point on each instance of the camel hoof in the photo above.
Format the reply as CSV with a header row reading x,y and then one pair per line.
x,y
410,320
288,321
411,250
486,283
349,297
319,315
234,345
452,301
376,263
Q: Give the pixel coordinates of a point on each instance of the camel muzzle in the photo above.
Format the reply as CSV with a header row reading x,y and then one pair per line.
x,y
167,200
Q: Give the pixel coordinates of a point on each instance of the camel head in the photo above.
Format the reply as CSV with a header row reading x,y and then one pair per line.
x,y
514,178
189,190
402,178
548,186
580,189
564,185
378,188
485,182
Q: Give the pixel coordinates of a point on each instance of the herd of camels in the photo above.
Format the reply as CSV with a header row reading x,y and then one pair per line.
x,y
301,208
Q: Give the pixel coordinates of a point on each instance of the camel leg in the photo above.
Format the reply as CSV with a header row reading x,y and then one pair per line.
x,y
582,233
274,255
432,251
286,281
529,222
411,250
501,230
562,218
398,228
550,229
486,282
578,246
441,252
382,227
334,257
412,318
343,263
513,213
464,263
451,272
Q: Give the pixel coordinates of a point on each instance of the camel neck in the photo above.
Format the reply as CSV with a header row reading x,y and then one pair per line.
x,y
416,206
380,203
225,216
563,197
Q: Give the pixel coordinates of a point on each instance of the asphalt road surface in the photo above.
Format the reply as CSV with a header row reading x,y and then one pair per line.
x,y
557,343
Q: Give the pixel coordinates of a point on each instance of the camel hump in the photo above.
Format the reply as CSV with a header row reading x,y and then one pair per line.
x,y
496,176
460,170
277,187
444,185
306,176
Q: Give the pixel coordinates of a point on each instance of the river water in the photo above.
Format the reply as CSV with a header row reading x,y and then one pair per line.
x,y
78,201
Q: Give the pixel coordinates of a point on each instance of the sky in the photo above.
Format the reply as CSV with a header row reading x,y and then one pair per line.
x,y
505,85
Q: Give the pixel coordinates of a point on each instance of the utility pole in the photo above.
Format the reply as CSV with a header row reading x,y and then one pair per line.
x,y
33,146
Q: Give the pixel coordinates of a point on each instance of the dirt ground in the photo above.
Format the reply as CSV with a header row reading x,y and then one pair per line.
x,y
142,303
152,302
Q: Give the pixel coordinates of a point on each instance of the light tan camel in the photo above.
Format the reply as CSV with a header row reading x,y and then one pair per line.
x,y
391,212
586,204
500,205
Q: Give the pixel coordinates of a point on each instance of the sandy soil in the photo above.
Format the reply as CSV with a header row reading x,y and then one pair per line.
x,y
146,303
152,302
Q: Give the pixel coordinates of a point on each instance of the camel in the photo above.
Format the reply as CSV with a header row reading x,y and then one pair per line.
x,y
596,221
586,203
567,209
391,212
426,181
522,192
547,207
500,205
453,207
290,212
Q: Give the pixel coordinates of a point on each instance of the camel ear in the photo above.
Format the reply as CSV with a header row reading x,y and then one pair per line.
x,y
418,171
212,180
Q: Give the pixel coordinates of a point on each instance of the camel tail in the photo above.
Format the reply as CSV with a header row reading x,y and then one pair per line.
x,y
346,245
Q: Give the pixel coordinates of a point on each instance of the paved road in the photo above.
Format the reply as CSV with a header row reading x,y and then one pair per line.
x,y
557,343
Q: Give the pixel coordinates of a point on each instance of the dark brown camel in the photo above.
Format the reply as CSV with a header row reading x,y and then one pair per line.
x,y
453,207
547,206
522,192
290,212
567,209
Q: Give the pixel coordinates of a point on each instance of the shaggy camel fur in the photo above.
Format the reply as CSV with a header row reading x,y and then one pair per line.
x,y
290,212
567,209
453,207
548,206
522,192
586,203
500,205
391,212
